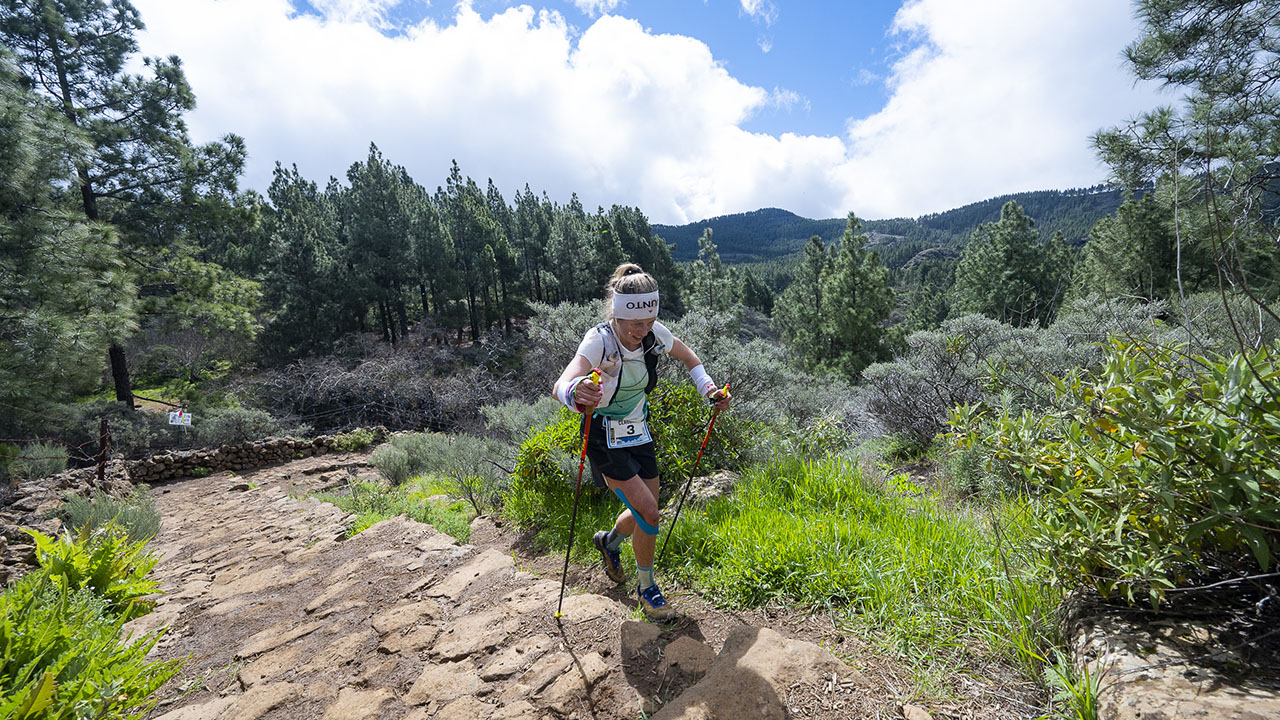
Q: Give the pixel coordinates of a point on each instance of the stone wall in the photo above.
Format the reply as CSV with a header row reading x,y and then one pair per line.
x,y
31,503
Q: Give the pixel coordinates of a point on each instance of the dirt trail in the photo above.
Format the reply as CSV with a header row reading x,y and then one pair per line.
x,y
282,618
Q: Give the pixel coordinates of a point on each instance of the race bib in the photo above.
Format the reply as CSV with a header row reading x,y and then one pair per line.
x,y
626,433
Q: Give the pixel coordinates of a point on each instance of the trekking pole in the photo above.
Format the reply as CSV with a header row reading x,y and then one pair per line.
x,y
582,460
689,485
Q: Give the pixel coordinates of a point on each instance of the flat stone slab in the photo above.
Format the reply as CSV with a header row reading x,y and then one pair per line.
x,y
403,616
355,704
754,671
473,634
517,657
414,640
210,710
486,563
530,598
444,683
467,708
273,638
260,700
579,608
269,666
573,688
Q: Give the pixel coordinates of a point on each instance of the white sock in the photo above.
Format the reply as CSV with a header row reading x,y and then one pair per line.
x,y
646,577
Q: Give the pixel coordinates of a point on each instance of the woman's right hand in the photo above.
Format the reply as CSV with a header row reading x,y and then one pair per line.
x,y
587,392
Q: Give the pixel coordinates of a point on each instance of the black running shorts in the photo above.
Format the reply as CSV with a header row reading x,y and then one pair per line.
x,y
620,463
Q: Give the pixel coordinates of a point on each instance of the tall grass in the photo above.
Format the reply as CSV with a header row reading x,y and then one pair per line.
x,y
135,515
892,560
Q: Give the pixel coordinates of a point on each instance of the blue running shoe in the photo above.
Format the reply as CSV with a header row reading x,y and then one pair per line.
x,y
654,605
612,558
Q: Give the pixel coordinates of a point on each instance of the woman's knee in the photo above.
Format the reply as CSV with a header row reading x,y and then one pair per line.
x,y
640,501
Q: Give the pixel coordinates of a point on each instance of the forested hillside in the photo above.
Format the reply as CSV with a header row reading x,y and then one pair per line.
x,y
772,233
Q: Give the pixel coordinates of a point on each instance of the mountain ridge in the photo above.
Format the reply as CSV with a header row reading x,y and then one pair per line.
x,y
772,233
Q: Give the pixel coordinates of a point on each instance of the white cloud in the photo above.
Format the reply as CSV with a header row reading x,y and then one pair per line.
x,y
996,101
992,102
763,10
787,99
373,12
592,8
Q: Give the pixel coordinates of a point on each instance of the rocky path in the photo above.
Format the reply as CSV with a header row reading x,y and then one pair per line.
x,y
282,618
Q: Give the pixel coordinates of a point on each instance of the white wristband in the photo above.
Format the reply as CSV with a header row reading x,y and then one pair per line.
x,y
702,380
564,392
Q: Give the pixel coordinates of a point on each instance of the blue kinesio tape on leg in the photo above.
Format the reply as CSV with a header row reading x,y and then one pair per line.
x,y
644,526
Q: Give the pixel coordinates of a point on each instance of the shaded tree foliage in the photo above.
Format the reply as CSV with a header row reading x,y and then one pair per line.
x,y
64,293
1006,273
143,175
832,315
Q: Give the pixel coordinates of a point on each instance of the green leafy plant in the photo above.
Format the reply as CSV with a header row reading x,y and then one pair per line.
x,y
63,655
200,471
103,561
1148,468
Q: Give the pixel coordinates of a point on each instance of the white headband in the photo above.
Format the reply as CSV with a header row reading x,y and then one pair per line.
x,y
635,307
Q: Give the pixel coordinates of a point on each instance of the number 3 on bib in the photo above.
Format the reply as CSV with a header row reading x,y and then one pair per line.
x,y
627,433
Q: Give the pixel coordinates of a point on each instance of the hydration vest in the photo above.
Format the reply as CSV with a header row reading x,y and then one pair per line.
x,y
613,353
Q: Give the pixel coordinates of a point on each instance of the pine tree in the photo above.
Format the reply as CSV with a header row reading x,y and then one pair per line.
x,y
142,165
302,278
712,289
380,243
64,293
797,315
856,301
1005,273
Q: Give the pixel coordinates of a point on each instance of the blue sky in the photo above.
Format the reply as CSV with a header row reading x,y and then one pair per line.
x,y
685,108
832,55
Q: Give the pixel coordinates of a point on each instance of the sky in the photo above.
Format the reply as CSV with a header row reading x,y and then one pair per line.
x,y
686,109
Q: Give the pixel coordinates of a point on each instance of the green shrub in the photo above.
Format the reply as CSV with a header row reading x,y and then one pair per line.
x,y
135,515
678,418
104,561
513,420
357,439
474,466
134,434
1147,467
975,359
392,463
39,460
541,469
235,425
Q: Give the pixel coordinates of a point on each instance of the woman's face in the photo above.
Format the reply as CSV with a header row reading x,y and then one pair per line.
x,y
632,332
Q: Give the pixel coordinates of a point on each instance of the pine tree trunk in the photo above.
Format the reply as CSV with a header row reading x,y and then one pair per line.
x,y
120,374
382,320
472,311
